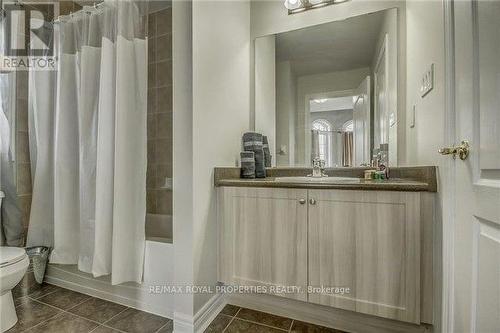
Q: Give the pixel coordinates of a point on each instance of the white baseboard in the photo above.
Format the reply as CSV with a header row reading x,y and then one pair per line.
x,y
199,322
183,323
131,295
324,316
208,312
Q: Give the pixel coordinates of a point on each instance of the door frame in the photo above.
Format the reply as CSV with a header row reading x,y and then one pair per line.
x,y
445,318
482,188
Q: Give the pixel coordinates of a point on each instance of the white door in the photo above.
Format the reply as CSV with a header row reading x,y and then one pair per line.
x,y
361,122
475,278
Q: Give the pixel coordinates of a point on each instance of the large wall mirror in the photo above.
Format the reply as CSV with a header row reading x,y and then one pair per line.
x,y
330,91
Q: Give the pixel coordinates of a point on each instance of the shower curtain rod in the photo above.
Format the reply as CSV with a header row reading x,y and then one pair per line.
x,y
95,6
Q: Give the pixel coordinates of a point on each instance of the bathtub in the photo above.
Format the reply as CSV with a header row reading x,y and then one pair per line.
x,y
158,271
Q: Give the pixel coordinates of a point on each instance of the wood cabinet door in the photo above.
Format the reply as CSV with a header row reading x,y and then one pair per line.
x,y
263,238
369,242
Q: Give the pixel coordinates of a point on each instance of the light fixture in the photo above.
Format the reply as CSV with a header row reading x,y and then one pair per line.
x,y
292,4
296,6
315,2
320,100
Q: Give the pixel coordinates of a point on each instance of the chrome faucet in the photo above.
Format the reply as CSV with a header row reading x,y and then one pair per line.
x,y
318,168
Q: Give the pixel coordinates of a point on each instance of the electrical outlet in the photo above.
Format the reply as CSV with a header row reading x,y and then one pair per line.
x,y
427,81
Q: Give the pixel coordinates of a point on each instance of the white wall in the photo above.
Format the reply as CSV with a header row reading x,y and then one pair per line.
x,y
425,45
319,85
221,102
211,69
265,90
182,153
286,92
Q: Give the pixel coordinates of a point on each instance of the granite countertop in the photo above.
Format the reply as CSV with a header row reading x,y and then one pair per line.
x,y
363,184
410,179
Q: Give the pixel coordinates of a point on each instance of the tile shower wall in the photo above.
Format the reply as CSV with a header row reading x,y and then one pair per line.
x,y
67,7
159,196
23,164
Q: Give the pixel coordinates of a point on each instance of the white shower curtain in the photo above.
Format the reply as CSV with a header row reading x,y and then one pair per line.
x,y
41,140
100,158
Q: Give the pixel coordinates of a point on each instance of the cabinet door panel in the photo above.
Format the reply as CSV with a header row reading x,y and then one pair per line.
x,y
263,238
368,242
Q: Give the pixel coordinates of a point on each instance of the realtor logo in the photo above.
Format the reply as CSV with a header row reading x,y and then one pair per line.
x,y
27,36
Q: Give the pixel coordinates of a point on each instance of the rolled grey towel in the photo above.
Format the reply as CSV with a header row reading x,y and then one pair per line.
x,y
267,152
253,142
260,166
247,164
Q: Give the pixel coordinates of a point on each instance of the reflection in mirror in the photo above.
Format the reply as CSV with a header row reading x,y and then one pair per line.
x,y
334,145
335,91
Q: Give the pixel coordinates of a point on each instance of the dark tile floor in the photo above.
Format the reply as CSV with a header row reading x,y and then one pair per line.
x,y
234,319
47,308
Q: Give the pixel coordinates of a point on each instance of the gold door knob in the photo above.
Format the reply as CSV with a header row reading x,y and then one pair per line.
x,y
461,150
302,201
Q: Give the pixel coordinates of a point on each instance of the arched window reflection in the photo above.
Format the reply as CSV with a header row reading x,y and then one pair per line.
x,y
324,129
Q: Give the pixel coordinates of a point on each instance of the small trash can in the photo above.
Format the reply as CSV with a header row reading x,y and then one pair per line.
x,y
39,256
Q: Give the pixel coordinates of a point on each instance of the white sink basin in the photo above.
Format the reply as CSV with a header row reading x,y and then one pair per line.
x,y
327,180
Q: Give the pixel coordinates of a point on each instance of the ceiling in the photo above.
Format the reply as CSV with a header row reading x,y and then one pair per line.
x,y
331,104
331,47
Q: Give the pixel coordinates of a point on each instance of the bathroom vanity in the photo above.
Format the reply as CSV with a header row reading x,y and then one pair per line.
x,y
341,241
